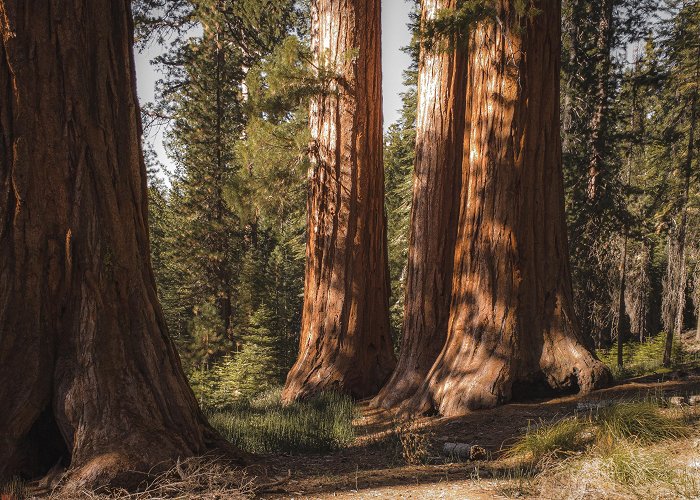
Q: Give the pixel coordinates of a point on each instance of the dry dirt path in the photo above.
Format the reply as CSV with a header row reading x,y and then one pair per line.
x,y
374,468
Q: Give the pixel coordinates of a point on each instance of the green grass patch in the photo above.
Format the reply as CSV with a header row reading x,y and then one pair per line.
x,y
638,423
641,422
263,425
559,438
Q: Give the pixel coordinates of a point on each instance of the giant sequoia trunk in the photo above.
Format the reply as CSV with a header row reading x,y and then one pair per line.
x,y
88,375
434,212
512,326
345,340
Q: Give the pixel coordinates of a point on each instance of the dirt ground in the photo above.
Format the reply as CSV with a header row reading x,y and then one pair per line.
x,y
374,468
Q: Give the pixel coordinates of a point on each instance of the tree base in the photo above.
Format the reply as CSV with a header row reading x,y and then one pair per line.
x,y
449,392
304,382
125,463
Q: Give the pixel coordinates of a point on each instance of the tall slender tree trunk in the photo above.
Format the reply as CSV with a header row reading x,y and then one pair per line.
x,y
599,120
622,319
88,374
696,300
434,212
623,322
512,324
345,339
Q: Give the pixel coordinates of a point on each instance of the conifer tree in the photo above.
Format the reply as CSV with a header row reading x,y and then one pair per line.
x,y
682,47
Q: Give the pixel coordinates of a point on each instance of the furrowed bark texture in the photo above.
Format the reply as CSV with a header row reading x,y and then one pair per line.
x,y
435,211
512,324
88,375
345,340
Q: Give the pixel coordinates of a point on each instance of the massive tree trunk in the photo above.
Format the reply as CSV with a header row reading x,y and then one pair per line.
x,y
345,339
512,325
88,375
434,212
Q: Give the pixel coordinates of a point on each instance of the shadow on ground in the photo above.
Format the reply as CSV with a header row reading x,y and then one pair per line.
x,y
375,460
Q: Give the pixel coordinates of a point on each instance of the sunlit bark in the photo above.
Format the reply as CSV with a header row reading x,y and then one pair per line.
x,y
345,339
512,328
434,211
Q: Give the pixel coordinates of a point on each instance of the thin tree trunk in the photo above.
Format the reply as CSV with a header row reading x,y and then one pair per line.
x,y
345,339
88,374
512,323
622,321
697,326
434,211
600,112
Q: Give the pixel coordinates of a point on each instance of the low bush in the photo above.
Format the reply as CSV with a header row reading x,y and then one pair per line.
x,y
644,358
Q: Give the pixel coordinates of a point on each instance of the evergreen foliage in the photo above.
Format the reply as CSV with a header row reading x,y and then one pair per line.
x,y
228,226
228,238
399,159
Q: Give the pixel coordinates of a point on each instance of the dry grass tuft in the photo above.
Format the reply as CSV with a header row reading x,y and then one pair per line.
x,y
201,478
641,422
559,439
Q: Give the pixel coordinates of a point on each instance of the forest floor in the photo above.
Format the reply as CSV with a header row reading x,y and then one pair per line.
x,y
375,465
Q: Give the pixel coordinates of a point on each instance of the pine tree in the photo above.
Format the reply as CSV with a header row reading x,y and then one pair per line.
x,y
594,170
256,366
682,47
211,230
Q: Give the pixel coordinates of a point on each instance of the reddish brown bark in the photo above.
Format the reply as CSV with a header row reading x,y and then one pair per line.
x,y
434,211
345,340
512,322
88,375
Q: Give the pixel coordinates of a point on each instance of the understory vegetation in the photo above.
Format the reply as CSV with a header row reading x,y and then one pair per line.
x,y
631,449
263,425
645,358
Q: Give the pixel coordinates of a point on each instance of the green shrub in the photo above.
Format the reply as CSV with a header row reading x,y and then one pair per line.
x,y
263,425
643,358
255,369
